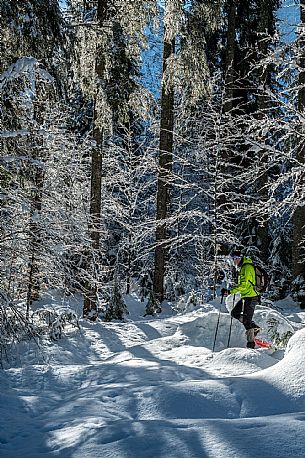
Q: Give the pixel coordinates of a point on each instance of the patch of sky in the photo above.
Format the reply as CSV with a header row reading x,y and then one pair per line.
x,y
151,57
63,4
161,4
188,5
289,17
152,63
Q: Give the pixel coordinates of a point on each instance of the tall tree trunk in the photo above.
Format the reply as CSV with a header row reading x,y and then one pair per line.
x,y
33,291
224,157
34,280
262,103
165,167
91,299
298,252
230,56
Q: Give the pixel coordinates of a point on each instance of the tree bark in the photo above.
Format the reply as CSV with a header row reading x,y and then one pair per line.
x,y
165,167
263,238
91,298
33,292
230,56
90,301
35,231
223,156
298,251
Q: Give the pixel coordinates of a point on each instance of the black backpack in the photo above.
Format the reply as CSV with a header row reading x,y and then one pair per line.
x,y
261,279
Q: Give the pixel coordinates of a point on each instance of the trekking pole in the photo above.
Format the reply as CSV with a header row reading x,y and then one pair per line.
x,y
231,323
216,331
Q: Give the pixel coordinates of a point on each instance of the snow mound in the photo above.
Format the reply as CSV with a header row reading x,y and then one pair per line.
x,y
296,345
240,361
201,331
278,389
275,327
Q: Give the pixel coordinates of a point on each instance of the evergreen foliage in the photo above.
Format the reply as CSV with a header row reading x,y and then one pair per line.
x,y
153,305
116,308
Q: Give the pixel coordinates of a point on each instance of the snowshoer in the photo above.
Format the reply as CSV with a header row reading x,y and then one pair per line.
x,y
244,308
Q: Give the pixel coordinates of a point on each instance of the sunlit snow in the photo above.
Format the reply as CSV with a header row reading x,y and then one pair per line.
x,y
152,387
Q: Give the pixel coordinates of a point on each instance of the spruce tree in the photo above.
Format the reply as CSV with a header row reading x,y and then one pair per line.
x,y
91,299
165,166
298,252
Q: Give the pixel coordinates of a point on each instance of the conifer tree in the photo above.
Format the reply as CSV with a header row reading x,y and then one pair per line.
x,y
90,300
165,159
262,105
230,69
116,308
108,77
188,70
298,252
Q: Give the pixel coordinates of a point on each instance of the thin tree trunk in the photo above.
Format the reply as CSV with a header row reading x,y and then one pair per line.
x,y
91,299
262,102
298,252
230,56
223,156
165,167
129,257
33,291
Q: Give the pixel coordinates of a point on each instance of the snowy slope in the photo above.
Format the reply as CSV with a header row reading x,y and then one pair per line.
x,y
153,388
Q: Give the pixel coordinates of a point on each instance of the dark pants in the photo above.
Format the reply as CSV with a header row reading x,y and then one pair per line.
x,y
244,310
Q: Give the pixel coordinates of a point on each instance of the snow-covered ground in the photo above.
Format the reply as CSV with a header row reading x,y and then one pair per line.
x,y
152,387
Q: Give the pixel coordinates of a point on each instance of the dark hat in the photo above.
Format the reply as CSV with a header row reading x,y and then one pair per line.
x,y
236,254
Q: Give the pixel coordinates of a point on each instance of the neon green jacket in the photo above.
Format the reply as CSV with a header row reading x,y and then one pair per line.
x,y
246,279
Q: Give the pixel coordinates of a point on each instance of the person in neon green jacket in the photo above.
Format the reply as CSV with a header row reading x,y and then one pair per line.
x,y
246,277
245,307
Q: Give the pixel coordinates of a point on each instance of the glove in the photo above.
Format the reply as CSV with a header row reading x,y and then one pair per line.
x,y
225,292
